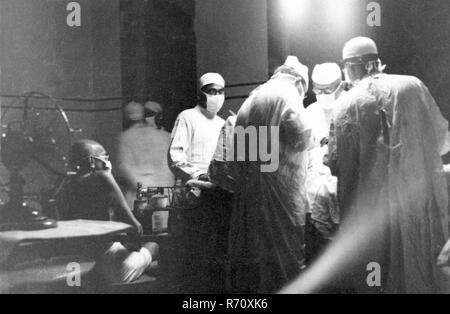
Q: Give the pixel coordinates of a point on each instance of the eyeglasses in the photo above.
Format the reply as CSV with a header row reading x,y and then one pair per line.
x,y
214,92
327,90
102,157
358,60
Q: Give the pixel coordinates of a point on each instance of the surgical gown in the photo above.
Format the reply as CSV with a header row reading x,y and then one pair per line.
x,y
266,241
385,147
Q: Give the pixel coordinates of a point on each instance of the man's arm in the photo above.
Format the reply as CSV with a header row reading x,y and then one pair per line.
x,y
119,203
177,156
220,169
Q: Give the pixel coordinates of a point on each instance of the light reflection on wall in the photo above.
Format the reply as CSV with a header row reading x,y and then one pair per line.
x,y
295,10
314,30
340,14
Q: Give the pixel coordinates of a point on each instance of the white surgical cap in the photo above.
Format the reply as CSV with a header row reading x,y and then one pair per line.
x,y
212,78
134,111
293,62
326,74
358,47
153,106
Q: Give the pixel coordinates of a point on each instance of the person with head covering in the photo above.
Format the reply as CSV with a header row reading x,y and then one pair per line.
x,y
153,112
92,193
385,147
194,139
142,149
196,130
323,218
217,172
133,113
328,87
386,142
266,240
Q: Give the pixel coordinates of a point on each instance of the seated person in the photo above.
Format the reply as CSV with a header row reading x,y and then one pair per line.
x,y
92,193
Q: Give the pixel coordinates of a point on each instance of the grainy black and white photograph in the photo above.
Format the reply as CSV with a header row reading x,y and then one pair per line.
x,y
224,152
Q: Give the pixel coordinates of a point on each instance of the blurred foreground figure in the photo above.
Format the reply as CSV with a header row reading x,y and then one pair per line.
x,y
323,219
385,148
142,150
93,194
444,258
266,241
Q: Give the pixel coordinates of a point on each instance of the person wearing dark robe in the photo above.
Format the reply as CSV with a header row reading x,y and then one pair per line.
x,y
386,142
385,148
266,238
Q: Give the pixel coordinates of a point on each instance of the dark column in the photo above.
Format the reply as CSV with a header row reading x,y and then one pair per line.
x,y
158,53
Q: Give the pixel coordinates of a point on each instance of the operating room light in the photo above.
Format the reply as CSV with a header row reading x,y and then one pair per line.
x,y
293,9
340,13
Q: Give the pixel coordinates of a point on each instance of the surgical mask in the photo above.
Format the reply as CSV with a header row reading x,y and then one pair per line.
x,y
345,71
348,80
326,99
107,163
214,102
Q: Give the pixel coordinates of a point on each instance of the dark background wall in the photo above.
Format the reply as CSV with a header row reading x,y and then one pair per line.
x,y
422,42
231,38
158,53
40,52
